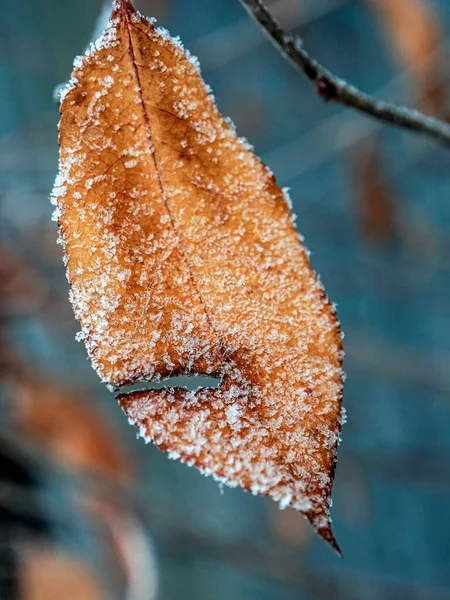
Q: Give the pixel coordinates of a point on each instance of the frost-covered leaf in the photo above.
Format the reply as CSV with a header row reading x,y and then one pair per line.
x,y
182,258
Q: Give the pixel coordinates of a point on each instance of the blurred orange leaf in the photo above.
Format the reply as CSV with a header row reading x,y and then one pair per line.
x,y
415,36
22,290
69,428
375,200
288,529
48,574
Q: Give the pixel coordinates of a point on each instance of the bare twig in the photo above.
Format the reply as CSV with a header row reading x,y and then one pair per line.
x,y
332,88
308,155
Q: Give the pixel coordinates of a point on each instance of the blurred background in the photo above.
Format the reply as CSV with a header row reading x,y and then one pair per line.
x,y
86,510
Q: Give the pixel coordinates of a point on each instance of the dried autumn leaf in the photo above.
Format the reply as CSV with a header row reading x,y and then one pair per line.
x,y
21,288
68,428
288,529
375,201
415,35
48,574
62,424
182,258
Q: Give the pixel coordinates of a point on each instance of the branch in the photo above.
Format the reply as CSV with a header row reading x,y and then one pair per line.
x,y
330,87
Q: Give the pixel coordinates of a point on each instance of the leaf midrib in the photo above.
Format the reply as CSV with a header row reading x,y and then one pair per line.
x,y
152,152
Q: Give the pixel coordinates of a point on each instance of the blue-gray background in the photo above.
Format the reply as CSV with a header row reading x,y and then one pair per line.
x,y
392,491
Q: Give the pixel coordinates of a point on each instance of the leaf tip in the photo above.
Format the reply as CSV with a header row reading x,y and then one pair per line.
x,y
321,523
327,535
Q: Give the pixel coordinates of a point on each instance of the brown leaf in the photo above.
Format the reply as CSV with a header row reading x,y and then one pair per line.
x,y
81,438
48,574
69,429
182,258
415,36
375,201
21,288
288,529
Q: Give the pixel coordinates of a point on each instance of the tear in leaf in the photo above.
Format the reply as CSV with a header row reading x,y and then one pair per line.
x,y
182,258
